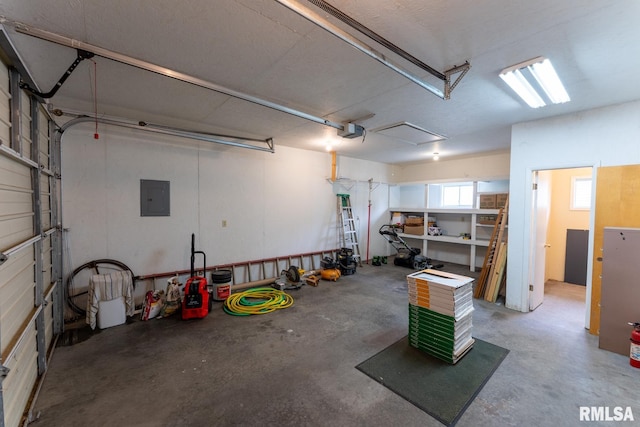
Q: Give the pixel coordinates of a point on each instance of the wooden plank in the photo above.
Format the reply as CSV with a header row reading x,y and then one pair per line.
x,y
497,236
496,279
503,284
488,258
491,279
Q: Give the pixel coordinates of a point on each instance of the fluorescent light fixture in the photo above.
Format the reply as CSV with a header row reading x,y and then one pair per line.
x,y
521,86
548,79
545,76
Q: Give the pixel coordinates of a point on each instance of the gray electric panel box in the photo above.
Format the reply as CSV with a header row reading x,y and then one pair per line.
x,y
154,198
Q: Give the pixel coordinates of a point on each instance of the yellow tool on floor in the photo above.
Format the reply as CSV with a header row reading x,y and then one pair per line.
x,y
330,274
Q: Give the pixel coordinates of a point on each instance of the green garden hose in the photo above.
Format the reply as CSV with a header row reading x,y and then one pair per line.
x,y
257,301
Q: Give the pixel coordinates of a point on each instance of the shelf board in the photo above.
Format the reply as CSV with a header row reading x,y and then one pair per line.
x,y
446,239
412,236
446,211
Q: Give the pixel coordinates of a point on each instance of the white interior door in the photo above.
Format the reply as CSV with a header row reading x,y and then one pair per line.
x,y
541,200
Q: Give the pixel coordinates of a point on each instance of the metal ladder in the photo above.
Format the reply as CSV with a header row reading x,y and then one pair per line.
x,y
349,236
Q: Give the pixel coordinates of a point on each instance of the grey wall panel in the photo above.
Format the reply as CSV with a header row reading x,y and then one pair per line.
x,y
576,256
620,299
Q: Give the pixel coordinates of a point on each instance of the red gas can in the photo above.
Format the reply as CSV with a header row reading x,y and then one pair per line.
x,y
634,359
195,304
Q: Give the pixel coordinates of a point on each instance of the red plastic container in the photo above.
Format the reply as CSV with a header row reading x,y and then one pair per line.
x,y
195,304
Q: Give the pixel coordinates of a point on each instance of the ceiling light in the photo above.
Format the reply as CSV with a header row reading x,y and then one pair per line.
x,y
521,86
548,79
331,144
521,76
436,156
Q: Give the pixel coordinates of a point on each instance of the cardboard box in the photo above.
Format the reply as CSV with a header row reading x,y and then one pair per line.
x,y
487,201
501,199
487,219
414,220
397,218
414,229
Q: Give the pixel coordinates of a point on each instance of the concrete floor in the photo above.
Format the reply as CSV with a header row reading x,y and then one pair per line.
x,y
296,367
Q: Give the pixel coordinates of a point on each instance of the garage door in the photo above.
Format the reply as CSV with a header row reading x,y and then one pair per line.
x,y
30,298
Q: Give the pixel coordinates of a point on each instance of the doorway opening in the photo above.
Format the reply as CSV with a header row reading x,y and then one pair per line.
x,y
560,221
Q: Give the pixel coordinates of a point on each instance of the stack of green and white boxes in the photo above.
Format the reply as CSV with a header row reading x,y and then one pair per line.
x,y
440,310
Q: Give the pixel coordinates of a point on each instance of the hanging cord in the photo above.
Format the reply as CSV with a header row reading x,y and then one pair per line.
x,y
257,301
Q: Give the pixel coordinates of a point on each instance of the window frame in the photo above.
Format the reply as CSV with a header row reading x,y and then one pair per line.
x,y
575,180
459,186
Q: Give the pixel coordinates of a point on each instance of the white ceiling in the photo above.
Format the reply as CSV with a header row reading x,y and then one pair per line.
x,y
264,49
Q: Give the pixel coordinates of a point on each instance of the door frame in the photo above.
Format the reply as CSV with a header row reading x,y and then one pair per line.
x,y
538,263
529,212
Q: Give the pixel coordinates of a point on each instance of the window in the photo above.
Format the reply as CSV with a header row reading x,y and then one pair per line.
x,y
581,193
457,195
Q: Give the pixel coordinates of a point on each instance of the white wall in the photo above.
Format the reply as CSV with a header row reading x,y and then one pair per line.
x,y
607,136
274,204
486,167
354,176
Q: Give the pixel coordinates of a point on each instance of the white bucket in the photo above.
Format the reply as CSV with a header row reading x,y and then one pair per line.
x,y
221,282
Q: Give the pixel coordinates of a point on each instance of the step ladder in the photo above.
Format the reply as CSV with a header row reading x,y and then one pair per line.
x,y
489,281
348,234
